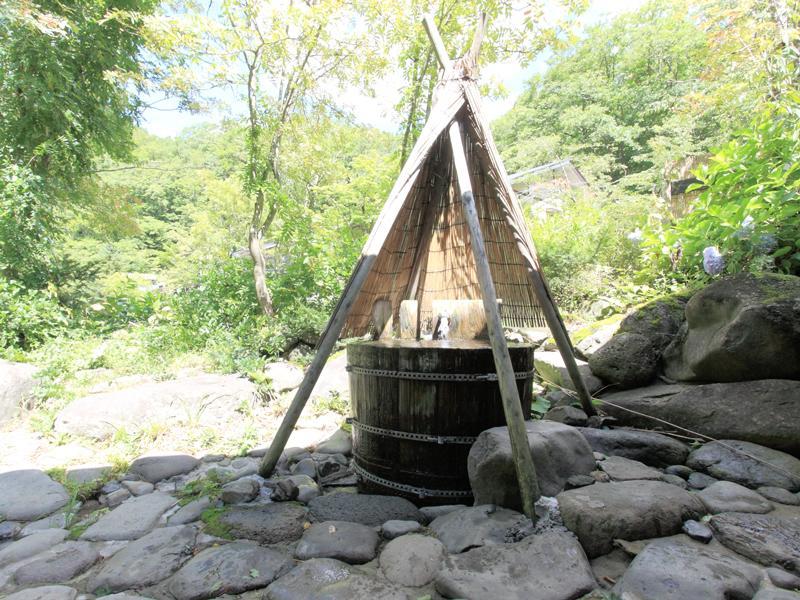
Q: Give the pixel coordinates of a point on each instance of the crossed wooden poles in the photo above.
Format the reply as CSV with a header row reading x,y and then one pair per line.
x,y
458,91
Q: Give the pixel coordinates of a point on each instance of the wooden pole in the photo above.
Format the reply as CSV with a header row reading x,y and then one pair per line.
x,y
520,450
436,41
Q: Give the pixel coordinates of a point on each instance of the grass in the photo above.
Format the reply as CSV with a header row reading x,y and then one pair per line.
x,y
210,485
213,525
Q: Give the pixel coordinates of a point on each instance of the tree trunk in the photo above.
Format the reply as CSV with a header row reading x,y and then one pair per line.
x,y
259,270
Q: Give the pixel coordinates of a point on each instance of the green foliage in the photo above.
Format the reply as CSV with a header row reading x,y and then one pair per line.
x,y
750,207
28,317
210,486
213,524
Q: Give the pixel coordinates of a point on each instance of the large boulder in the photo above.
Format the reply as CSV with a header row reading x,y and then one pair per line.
x,y
546,566
747,464
211,400
16,387
559,452
737,329
677,569
29,494
771,540
765,412
628,510
627,360
659,320
649,447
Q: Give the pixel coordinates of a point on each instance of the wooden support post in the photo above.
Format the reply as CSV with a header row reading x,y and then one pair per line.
x,y
436,41
324,349
520,450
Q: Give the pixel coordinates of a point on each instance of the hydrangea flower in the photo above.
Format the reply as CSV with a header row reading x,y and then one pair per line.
x,y
713,261
635,236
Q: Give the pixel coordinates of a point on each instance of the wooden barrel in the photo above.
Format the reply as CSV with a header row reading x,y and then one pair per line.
x,y
418,406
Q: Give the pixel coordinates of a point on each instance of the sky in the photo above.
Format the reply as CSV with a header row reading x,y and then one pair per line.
x,y
166,120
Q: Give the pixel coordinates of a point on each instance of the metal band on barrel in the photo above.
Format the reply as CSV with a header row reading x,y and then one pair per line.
x,y
419,376
410,489
419,437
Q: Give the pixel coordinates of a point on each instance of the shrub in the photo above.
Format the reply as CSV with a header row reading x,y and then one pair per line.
x,y
28,317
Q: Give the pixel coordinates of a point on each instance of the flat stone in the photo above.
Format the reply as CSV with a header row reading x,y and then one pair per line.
x,y
341,442
476,526
651,448
283,376
412,560
138,488
158,468
550,565
306,493
45,592
329,579
627,510
609,568
698,531
430,513
57,520
266,523
671,569
366,509
578,481
674,480
783,579
60,563
726,496
559,451
131,519
29,494
769,540
551,369
230,569
241,490
146,561
31,545
625,469
349,542
190,512
394,529
9,529
85,474
779,495
726,459
568,415
773,594
115,498
700,481
17,384
680,470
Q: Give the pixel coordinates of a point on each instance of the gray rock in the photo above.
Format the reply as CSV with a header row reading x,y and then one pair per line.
x,y
412,560
17,381
366,509
559,452
60,563
241,490
628,510
283,376
609,568
602,331
88,474
779,495
674,480
45,592
214,399
307,466
284,490
158,468
569,415
124,596
770,540
782,579
29,494
731,460
115,498
718,410
146,561
550,565
550,368
659,320
680,470
429,513
329,579
773,594
625,469
230,569
138,488
57,520
651,448
306,493
578,481
9,529
739,328
700,481
341,442
476,526
349,542
265,523
627,360
190,512
334,379
726,496
393,529
131,519
698,531
31,545
673,569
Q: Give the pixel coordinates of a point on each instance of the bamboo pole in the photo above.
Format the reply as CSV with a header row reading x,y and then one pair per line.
x,y
520,450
